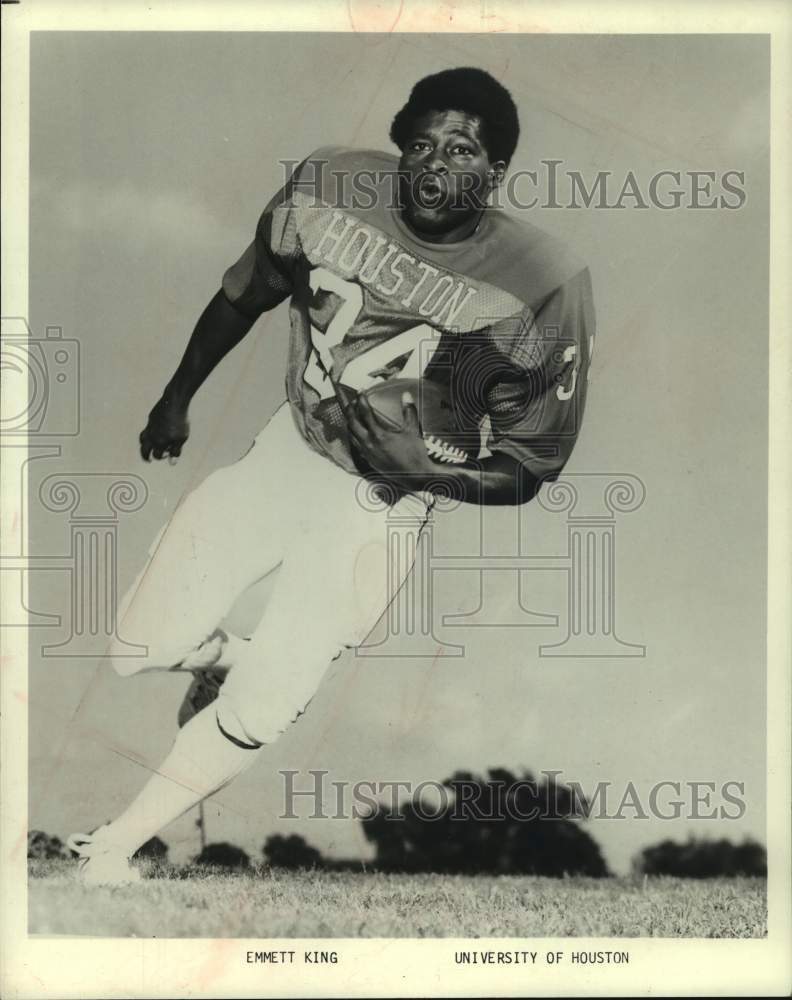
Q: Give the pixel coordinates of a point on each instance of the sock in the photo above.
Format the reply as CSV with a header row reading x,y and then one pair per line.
x,y
202,761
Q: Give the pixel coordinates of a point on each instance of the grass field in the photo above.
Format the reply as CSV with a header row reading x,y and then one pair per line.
x,y
266,903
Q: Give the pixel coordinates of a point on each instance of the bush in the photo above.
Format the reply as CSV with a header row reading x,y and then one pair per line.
x,y
507,826
291,852
223,855
703,859
153,850
43,845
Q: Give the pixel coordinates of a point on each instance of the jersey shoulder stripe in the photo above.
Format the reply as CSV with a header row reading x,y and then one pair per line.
x,y
525,260
509,253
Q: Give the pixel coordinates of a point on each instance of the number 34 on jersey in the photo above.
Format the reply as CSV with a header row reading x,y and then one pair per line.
x,y
367,369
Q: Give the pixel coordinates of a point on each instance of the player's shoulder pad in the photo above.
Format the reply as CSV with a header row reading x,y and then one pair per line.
x,y
326,171
532,258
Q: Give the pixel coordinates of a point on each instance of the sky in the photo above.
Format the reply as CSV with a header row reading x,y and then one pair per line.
x,y
152,156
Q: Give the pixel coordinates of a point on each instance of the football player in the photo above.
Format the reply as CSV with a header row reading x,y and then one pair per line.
x,y
394,267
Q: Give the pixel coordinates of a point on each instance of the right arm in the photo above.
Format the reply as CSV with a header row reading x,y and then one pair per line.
x,y
256,283
261,279
219,329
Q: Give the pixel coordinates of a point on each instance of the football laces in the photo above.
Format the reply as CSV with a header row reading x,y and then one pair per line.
x,y
442,451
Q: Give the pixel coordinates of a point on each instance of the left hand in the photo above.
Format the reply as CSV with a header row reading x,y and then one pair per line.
x,y
397,452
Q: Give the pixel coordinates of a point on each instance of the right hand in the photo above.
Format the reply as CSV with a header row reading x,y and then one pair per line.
x,y
166,431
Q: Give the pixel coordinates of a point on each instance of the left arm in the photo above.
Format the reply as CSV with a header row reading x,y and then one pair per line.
x,y
401,456
535,410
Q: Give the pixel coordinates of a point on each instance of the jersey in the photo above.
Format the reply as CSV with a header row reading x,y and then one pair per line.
x,y
504,318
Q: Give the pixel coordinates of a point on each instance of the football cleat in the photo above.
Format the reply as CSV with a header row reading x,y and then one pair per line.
x,y
203,690
100,861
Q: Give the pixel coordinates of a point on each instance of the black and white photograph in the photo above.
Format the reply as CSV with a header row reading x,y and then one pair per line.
x,y
389,530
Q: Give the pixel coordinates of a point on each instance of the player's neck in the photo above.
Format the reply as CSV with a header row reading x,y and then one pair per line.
x,y
461,232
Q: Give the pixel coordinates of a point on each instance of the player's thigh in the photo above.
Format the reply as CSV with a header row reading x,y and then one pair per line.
x,y
343,569
226,533
247,508
332,589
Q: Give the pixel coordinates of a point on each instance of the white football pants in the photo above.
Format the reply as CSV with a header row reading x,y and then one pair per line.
x,y
281,505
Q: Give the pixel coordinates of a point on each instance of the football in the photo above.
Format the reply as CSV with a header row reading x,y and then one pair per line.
x,y
441,432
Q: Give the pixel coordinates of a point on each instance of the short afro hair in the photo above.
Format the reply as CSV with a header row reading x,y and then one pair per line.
x,y
464,89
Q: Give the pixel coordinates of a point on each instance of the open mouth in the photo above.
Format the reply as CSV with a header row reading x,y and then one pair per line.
x,y
431,191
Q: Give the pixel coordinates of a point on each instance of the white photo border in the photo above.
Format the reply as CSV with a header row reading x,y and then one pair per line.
x,y
80,967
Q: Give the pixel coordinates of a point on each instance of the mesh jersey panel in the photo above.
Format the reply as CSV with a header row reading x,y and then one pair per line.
x,y
504,318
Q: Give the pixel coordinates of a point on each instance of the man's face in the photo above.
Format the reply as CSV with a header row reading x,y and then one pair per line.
x,y
446,174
